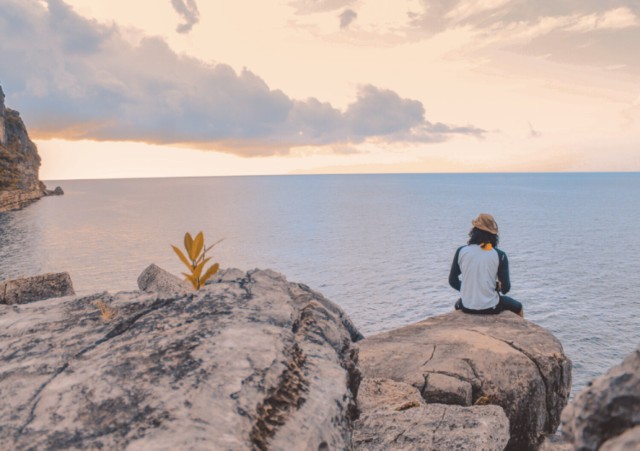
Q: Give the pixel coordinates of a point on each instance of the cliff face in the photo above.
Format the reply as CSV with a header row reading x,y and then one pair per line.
x,y
19,162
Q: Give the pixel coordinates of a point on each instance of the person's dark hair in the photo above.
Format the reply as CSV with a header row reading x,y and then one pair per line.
x,y
477,236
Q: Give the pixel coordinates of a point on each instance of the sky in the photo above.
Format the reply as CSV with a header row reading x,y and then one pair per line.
x,y
158,88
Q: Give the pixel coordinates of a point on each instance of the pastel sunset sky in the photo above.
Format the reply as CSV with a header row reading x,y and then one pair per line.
x,y
156,88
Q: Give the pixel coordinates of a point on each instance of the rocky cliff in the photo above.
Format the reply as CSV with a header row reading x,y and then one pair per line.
x,y
497,379
249,362
606,414
252,361
19,162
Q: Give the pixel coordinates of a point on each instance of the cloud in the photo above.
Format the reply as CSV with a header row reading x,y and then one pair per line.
x,y
188,9
575,15
346,17
85,81
582,32
615,19
319,6
382,112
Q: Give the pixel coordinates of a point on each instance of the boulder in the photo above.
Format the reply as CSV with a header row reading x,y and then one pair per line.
x,y
556,442
608,410
629,440
56,192
394,416
230,274
472,360
250,362
37,288
156,279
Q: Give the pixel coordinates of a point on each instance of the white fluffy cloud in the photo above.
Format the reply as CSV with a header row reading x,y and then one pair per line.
x,y
79,79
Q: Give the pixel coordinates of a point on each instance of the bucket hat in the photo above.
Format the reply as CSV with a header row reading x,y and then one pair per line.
x,y
485,222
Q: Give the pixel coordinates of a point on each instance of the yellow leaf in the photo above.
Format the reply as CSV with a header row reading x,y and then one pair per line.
x,y
198,269
210,272
183,259
196,246
188,243
193,280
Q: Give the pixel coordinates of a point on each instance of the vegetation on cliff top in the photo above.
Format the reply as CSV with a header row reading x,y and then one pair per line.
x,y
197,259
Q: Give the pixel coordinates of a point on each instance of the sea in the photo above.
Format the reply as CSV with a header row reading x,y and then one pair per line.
x,y
380,246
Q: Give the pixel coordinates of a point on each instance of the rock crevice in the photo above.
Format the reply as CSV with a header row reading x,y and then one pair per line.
x,y
286,396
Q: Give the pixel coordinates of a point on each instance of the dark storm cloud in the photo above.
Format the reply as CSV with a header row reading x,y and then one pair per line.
x,y
188,9
346,17
85,81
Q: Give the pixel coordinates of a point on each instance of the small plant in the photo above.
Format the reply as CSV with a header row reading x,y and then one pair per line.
x,y
197,259
485,400
106,313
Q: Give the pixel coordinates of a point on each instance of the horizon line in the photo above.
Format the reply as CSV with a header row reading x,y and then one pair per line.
x,y
339,174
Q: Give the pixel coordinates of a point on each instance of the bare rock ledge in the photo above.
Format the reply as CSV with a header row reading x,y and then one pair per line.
x,y
461,365
249,362
252,361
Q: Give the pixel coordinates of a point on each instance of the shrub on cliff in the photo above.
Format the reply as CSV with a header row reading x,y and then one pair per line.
x,y
197,259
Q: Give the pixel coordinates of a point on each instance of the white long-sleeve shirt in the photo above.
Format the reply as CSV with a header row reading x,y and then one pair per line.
x,y
474,273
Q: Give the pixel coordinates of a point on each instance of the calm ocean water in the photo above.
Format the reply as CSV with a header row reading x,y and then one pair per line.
x,y
378,245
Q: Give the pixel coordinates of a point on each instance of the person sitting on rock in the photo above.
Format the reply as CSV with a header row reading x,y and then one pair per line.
x,y
485,272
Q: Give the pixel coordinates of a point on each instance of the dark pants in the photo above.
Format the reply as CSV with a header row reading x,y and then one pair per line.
x,y
505,303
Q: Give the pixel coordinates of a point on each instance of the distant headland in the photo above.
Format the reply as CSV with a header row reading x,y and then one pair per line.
x,y
19,163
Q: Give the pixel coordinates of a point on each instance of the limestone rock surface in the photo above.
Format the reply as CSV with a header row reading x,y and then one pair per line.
x,y
249,362
606,409
500,360
36,288
156,279
630,440
19,162
394,416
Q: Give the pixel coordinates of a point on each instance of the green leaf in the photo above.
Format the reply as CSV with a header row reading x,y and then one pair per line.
x,y
183,259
